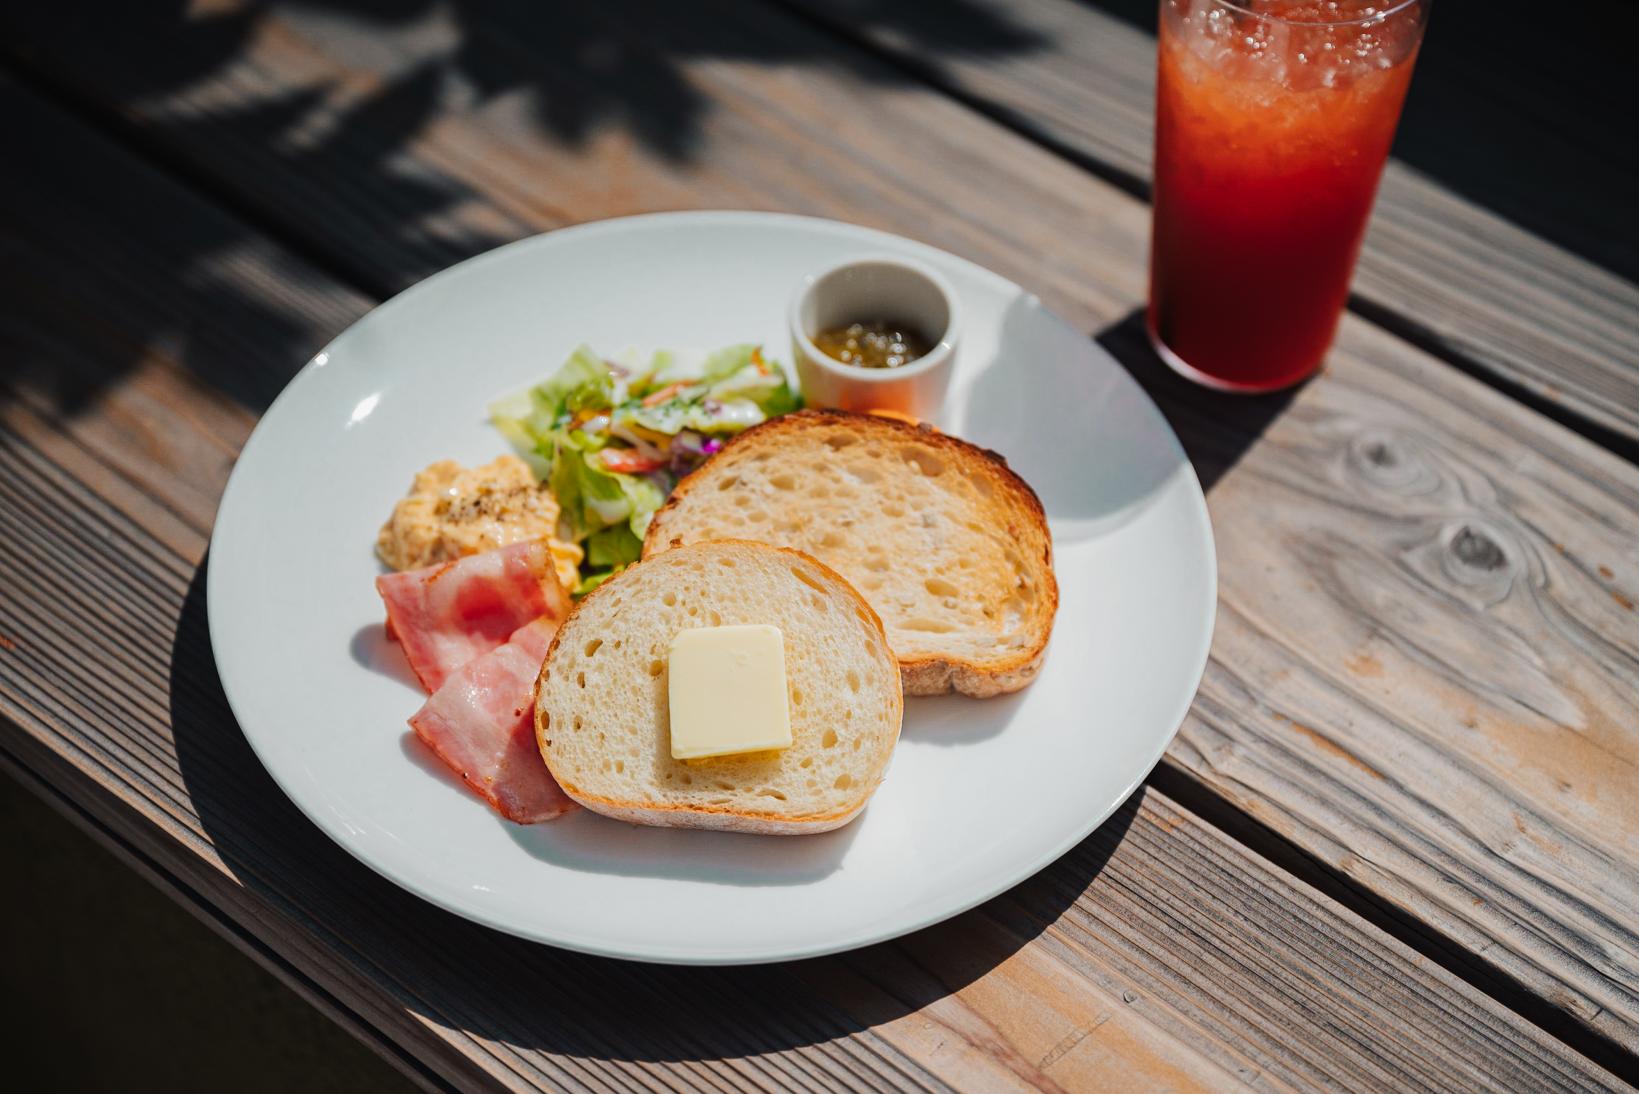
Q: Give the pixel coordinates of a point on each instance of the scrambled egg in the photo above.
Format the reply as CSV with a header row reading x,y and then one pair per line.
x,y
453,511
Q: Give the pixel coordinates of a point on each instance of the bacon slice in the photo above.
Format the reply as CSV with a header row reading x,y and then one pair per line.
x,y
482,724
449,614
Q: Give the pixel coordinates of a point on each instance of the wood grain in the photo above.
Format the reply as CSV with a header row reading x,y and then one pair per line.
x,y
1438,698
1157,952
1539,655
1438,267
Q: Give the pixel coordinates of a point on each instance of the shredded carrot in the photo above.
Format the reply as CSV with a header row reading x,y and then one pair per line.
x,y
629,462
757,359
655,398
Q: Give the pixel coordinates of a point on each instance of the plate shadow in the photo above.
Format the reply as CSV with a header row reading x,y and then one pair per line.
x,y
372,649
1215,428
942,719
1092,453
334,919
586,841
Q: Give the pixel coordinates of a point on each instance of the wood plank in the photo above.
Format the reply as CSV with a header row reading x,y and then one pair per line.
x,y
1438,700
1355,741
974,1002
1444,270
242,846
1158,950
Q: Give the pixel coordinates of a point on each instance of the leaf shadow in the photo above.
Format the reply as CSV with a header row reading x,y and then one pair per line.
x,y
339,127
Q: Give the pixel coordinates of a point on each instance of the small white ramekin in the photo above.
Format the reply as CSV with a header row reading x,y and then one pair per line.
x,y
862,290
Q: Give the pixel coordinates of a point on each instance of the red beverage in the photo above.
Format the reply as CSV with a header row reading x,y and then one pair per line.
x,y
1273,121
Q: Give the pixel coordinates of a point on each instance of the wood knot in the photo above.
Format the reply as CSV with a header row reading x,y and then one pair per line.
x,y
1388,462
1379,454
1467,558
1476,549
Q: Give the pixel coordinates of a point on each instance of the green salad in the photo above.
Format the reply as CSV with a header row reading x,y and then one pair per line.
x,y
611,438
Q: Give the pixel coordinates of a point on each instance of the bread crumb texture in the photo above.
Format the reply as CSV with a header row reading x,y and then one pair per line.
x,y
601,711
950,547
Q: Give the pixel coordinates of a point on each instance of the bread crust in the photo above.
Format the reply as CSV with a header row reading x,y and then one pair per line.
x,y
656,814
719,820
920,675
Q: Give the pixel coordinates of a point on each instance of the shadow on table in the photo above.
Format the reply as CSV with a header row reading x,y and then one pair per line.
x,y
537,997
1216,429
309,122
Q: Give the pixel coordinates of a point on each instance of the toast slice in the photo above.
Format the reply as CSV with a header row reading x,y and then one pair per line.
x,y
950,546
601,716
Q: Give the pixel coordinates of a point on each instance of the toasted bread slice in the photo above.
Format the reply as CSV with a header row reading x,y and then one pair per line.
x,y
601,713
950,546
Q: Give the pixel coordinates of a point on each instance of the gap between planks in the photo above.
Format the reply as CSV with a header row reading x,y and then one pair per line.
x,y
1212,808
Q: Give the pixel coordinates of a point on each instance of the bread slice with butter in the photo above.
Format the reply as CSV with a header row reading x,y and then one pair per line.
x,y
947,543
601,712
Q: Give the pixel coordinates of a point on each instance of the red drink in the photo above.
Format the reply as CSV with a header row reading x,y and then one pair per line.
x,y
1273,120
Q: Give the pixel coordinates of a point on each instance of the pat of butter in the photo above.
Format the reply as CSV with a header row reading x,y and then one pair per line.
x,y
726,690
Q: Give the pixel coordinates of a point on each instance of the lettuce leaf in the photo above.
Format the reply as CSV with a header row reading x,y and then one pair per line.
x,y
583,383
592,498
613,546
771,393
592,581
589,404
727,361
532,421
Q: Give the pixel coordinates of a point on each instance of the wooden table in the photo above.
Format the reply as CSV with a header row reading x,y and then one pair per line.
x,y
1396,843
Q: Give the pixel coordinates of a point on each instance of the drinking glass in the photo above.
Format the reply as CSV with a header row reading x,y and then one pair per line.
x,y
1273,121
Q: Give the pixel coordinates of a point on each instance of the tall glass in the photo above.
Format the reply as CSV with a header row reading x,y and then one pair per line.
x,y
1273,121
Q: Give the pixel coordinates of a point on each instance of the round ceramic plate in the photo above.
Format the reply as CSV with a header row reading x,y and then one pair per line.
x,y
981,793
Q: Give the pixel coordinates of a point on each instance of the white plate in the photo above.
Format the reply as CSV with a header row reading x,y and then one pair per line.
x,y
981,794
